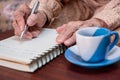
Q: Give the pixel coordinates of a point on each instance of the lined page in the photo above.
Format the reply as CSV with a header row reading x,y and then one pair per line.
x,y
25,51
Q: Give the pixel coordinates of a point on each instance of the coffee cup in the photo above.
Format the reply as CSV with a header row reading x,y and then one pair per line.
x,y
94,43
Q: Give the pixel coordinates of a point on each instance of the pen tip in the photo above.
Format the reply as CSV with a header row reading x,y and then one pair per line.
x,y
21,36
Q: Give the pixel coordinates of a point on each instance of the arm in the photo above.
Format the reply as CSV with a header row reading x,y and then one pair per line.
x,y
110,14
46,11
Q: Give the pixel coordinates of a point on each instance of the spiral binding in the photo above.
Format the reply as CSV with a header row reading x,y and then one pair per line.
x,y
50,55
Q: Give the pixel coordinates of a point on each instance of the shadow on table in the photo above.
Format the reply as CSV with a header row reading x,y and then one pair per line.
x,y
91,71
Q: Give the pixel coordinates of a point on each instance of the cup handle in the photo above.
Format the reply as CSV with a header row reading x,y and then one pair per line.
x,y
115,41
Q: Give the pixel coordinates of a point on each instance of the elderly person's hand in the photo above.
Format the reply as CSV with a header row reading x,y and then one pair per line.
x,y
34,21
67,31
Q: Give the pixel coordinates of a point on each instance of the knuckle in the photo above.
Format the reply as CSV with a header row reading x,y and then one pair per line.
x,y
15,13
18,19
24,8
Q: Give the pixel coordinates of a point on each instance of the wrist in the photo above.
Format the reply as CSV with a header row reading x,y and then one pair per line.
x,y
100,22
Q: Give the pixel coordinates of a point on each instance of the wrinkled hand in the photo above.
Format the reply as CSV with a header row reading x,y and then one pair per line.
x,y
35,21
66,32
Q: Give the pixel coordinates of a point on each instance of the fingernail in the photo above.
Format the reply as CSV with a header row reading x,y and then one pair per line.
x,y
67,43
60,40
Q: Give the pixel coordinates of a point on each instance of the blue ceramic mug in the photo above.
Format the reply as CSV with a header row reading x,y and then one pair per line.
x,y
94,43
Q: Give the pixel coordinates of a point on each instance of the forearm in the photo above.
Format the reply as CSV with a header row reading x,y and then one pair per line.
x,y
50,7
110,14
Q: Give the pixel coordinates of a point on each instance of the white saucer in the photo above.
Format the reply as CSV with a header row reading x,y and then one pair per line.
x,y
112,57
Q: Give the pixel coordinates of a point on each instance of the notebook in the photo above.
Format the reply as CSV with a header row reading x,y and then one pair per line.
x,y
30,55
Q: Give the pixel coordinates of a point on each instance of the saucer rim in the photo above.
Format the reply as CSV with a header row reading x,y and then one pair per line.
x,y
106,62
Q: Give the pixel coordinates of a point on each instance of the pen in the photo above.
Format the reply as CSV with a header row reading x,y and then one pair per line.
x,y
35,6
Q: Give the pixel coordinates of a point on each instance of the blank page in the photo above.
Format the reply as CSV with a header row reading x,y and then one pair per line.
x,y
27,50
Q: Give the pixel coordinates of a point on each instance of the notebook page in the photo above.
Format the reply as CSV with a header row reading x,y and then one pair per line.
x,y
13,49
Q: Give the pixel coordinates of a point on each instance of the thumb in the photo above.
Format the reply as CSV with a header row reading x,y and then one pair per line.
x,y
32,20
39,18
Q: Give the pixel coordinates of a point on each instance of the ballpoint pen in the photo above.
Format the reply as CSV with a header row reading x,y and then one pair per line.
x,y
35,6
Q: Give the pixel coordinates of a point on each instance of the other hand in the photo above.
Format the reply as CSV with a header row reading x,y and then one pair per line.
x,y
66,32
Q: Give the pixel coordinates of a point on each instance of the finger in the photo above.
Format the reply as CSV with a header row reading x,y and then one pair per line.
x,y
38,19
32,20
16,28
19,18
20,14
59,38
59,29
17,32
28,35
65,34
35,30
71,40
68,31
35,33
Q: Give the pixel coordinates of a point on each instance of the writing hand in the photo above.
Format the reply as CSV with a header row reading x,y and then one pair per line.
x,y
34,21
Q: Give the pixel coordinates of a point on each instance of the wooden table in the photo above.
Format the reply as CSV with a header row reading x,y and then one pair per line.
x,y
60,69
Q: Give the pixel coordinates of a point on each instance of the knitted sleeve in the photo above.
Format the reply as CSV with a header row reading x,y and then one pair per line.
x,y
110,14
50,7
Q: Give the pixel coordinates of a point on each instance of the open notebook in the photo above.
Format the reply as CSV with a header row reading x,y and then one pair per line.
x,y
30,55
